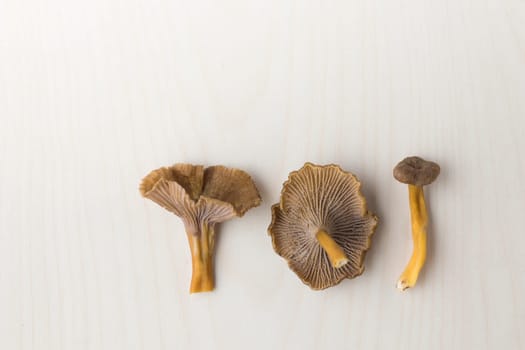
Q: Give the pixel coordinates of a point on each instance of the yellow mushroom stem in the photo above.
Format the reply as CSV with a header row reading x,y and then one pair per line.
x,y
335,253
201,246
419,217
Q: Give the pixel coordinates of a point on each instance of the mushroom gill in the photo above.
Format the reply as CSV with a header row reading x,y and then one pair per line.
x,y
321,225
201,198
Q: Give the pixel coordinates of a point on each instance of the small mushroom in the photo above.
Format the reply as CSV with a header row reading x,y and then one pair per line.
x,y
416,172
201,198
321,225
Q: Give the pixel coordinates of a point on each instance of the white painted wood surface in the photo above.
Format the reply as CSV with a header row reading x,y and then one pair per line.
x,y
95,94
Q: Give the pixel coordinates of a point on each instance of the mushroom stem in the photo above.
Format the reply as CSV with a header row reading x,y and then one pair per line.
x,y
419,218
335,253
201,246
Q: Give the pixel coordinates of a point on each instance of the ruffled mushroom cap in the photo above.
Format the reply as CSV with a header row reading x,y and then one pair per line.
x,y
416,171
322,199
201,198
195,194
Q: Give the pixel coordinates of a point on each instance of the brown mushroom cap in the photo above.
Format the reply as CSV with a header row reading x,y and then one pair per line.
x,y
321,198
416,171
195,194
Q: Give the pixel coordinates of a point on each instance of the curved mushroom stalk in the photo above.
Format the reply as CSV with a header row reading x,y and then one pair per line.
x,y
416,172
419,218
202,198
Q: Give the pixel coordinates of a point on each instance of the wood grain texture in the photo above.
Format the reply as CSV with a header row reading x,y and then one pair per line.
x,y
94,95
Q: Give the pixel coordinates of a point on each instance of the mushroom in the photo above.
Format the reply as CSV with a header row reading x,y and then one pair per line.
x,y
321,225
416,172
201,198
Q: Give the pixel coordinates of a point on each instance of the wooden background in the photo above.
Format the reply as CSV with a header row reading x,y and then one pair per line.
x,y
95,94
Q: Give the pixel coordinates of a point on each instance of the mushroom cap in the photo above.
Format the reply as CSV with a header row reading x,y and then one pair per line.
x,y
416,171
321,198
197,194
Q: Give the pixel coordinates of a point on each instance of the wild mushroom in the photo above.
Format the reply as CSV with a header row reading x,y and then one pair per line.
x,y
321,225
416,172
201,198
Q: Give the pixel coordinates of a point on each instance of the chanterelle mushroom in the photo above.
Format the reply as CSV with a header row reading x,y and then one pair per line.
x,y
201,198
416,172
321,225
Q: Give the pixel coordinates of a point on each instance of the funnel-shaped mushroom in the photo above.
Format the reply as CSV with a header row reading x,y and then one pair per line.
x,y
201,198
322,226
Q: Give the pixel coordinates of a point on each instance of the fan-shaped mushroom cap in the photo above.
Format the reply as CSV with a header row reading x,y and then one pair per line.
x,y
323,198
195,194
416,171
